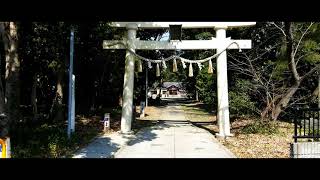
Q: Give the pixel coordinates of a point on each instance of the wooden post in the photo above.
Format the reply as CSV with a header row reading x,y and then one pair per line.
x,y
106,122
142,109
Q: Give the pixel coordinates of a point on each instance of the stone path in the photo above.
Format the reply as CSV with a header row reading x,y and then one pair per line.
x,y
173,138
173,141
173,112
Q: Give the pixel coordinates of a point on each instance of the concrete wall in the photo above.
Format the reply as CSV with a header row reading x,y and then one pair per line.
x,y
305,150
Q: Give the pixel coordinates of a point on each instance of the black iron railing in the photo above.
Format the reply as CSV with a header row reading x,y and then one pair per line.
x,y
306,124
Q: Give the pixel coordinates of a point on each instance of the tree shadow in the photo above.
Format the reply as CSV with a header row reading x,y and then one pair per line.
x,y
203,107
101,147
201,125
147,133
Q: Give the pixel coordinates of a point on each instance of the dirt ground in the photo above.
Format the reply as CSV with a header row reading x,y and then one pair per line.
x,y
258,145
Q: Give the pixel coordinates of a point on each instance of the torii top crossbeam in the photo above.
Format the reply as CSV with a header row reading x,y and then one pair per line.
x,y
152,25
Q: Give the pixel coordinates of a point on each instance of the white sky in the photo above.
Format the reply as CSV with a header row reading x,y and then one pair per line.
x,y
165,37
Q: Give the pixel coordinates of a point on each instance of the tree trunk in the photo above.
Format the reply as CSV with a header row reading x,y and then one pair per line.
x,y
59,115
197,95
270,106
3,122
285,100
12,88
120,100
282,104
315,93
2,102
34,97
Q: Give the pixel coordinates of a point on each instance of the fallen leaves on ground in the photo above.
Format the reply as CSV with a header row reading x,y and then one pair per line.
x,y
258,145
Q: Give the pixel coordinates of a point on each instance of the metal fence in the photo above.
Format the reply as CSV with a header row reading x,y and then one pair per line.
x,y
306,124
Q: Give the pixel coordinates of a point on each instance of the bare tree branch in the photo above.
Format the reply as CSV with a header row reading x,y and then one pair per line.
x,y
311,72
279,28
304,33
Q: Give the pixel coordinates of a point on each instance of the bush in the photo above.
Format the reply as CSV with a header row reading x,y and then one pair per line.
x,y
262,127
240,101
49,141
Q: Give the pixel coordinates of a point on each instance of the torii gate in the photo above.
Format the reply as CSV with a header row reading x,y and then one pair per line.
x,y
220,42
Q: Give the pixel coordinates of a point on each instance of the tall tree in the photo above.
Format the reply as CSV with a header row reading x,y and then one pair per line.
x,y
12,88
293,46
285,56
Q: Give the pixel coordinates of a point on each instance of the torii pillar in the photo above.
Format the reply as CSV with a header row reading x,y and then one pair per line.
x,y
128,83
222,85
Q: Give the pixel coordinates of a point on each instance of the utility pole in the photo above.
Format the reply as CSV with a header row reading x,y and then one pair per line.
x,y
146,85
71,100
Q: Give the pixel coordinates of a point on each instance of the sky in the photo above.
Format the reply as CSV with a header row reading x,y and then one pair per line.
x,y
165,37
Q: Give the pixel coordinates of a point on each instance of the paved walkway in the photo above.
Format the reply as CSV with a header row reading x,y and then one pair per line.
x,y
173,112
104,146
173,141
164,140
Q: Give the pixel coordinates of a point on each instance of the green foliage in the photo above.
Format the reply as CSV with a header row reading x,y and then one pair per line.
x,y
240,100
48,141
204,36
280,66
313,58
262,127
206,85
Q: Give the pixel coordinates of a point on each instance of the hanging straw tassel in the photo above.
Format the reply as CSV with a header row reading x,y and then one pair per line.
x,y
199,65
139,65
175,67
190,70
158,70
183,64
164,65
149,65
210,70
